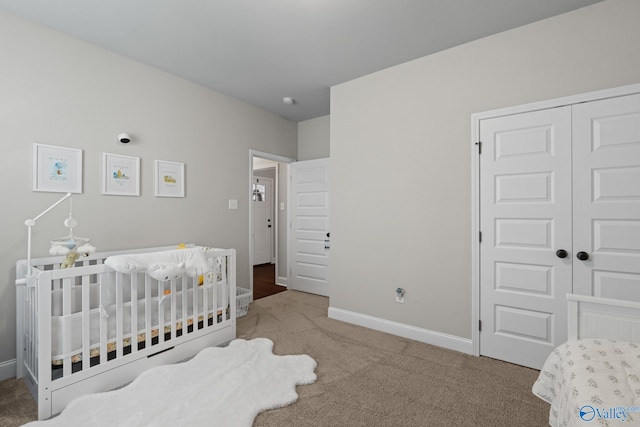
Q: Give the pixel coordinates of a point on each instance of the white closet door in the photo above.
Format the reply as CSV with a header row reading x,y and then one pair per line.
x,y
525,187
606,165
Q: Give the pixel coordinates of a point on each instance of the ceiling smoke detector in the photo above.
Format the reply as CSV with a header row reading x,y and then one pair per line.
x,y
288,100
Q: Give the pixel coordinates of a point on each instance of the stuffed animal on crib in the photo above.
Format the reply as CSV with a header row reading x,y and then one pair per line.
x,y
163,265
71,251
70,259
164,271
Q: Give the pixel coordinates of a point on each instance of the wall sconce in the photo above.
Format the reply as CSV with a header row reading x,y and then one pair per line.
x,y
124,138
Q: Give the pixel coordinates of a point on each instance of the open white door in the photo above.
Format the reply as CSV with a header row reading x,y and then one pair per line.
x,y
309,234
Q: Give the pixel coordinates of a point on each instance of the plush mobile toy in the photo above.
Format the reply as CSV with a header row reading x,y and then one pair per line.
x,y
72,247
70,260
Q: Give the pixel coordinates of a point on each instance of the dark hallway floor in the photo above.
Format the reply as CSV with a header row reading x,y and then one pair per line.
x,y
264,281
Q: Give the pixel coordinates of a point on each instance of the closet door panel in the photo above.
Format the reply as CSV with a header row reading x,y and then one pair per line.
x,y
525,188
606,197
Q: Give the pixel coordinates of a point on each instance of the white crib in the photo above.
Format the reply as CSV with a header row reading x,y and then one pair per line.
x,y
89,328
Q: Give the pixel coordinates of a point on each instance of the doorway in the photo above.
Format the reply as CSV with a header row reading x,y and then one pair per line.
x,y
268,191
263,216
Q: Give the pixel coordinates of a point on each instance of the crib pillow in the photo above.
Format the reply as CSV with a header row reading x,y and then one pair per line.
x,y
164,271
163,265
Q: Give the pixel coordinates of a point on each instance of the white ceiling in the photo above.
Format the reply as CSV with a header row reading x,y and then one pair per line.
x,y
260,51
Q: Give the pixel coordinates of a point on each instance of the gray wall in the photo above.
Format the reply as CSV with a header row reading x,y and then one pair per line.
x,y
313,138
61,91
401,156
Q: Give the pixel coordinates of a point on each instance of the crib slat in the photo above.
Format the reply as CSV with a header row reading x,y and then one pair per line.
x,y
68,332
160,304
147,311
134,313
174,297
185,298
103,283
205,306
119,315
86,319
181,304
195,310
85,289
214,289
224,283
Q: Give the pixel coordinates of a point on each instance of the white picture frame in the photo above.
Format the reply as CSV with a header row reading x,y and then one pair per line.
x,y
57,169
169,179
120,175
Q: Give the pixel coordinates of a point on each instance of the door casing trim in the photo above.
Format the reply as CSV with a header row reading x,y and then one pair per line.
x,y
279,159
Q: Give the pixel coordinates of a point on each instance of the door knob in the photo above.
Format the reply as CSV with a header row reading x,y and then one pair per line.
x,y
561,253
582,256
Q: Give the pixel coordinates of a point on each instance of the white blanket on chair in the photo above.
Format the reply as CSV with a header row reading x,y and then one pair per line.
x,y
163,265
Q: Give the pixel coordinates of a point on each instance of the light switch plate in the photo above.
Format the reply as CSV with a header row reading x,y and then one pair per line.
x,y
233,204
282,206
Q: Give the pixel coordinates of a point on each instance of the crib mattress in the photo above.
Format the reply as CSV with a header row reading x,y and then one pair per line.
x,y
140,338
66,330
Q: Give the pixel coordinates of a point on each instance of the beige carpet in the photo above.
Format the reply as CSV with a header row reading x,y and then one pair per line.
x,y
368,378
365,377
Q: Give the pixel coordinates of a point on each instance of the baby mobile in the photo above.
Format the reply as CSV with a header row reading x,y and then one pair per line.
x,y
71,246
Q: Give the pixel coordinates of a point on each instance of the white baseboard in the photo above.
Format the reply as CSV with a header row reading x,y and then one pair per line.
x,y
451,342
282,281
7,369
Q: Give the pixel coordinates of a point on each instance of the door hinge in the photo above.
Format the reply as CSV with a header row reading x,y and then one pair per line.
x,y
480,236
479,144
479,325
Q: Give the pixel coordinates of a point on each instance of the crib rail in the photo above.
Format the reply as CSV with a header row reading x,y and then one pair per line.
x,y
81,322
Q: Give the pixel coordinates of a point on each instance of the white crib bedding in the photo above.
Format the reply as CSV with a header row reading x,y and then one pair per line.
x,y
163,265
66,330
66,335
591,379
141,337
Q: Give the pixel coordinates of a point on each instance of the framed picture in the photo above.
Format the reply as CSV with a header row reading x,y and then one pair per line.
x,y
120,175
169,179
57,169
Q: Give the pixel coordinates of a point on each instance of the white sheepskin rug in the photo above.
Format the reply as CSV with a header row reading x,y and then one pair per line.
x,y
220,386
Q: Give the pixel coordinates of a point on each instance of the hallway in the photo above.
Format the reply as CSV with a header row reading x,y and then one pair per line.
x,y
264,281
